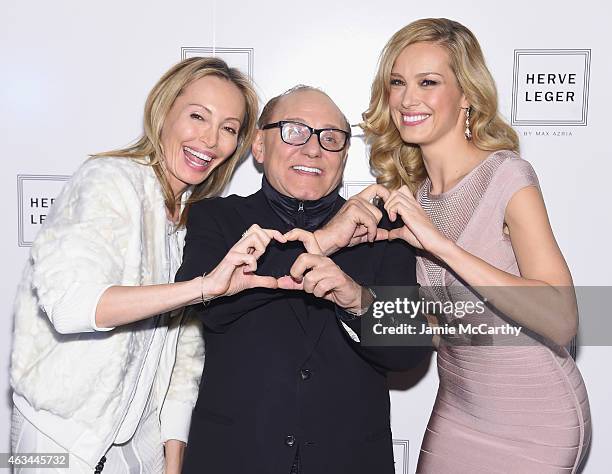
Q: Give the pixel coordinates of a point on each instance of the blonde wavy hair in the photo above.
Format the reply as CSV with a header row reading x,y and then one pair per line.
x,y
395,162
159,102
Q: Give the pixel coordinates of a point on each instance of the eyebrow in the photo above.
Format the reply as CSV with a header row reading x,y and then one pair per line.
x,y
301,120
421,74
210,112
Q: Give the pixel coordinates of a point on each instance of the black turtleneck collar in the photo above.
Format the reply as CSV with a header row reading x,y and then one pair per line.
x,y
309,215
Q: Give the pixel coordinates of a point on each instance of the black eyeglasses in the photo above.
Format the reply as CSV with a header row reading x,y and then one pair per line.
x,y
296,134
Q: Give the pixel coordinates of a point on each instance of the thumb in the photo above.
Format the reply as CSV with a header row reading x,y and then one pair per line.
x,y
288,283
394,234
382,234
259,281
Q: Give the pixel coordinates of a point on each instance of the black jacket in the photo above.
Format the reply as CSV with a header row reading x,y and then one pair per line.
x,y
281,373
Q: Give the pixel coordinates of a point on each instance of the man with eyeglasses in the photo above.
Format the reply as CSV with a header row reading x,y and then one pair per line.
x,y
287,387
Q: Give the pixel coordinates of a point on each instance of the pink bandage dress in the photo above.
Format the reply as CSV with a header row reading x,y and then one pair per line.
x,y
500,407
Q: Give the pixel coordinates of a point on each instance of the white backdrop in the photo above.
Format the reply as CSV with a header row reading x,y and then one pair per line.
x,y
75,76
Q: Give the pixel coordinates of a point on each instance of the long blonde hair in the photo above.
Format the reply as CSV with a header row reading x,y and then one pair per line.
x,y
158,104
395,162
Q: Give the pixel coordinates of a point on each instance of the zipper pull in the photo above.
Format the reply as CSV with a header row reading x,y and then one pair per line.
x,y
100,465
301,217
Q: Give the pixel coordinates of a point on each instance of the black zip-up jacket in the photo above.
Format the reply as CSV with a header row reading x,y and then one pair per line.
x,y
280,372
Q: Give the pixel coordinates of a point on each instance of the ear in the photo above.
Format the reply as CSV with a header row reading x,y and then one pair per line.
x,y
464,102
345,158
258,147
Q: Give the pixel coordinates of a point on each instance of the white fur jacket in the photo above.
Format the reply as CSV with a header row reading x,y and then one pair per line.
x,y
75,381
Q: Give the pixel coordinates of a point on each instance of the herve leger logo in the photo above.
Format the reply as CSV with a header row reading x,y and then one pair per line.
x,y
400,455
551,87
35,196
241,58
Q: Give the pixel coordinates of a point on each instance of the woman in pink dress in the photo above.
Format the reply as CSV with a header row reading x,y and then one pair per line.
x,y
473,208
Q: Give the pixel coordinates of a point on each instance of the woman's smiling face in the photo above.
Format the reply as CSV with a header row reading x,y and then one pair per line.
x,y
201,130
425,99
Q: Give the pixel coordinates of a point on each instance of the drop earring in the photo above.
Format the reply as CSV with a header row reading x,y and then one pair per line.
x,y
468,132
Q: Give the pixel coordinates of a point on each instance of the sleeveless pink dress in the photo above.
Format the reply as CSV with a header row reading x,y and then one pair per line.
x,y
500,408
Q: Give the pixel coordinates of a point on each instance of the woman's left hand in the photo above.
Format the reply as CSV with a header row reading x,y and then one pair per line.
x,y
418,230
236,272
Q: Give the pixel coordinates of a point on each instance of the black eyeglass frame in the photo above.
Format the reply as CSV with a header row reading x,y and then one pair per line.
x,y
313,131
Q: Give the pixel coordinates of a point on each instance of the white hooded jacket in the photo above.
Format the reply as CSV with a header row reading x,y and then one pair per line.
x,y
73,380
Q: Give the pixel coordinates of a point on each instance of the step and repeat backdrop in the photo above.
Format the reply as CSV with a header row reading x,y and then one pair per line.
x,y
75,76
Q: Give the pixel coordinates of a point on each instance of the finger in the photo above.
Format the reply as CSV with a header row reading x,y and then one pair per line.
x,y
253,243
255,229
405,234
395,209
265,239
324,286
360,231
325,270
287,282
275,234
368,206
411,200
405,198
398,201
362,213
238,259
247,261
360,235
255,247
305,261
258,281
381,234
267,235
311,279
263,235
374,190
307,238
249,231
389,207
367,215
405,191
395,234
405,211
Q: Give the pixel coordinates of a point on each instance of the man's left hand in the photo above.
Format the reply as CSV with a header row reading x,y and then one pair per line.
x,y
355,223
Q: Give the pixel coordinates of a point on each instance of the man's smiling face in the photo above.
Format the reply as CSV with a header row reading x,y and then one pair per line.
x,y
306,172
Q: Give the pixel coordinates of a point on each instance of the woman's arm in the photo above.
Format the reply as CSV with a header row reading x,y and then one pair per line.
x,y
174,451
541,299
548,307
120,305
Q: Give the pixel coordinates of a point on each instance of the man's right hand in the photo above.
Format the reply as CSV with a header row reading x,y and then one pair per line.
x,y
355,223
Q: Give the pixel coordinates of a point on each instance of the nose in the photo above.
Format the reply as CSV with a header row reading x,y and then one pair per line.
x,y
409,97
209,135
312,148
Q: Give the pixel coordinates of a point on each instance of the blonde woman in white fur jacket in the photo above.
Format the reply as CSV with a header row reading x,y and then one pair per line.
x,y
102,368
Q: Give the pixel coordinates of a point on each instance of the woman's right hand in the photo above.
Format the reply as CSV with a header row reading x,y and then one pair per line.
x,y
235,272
